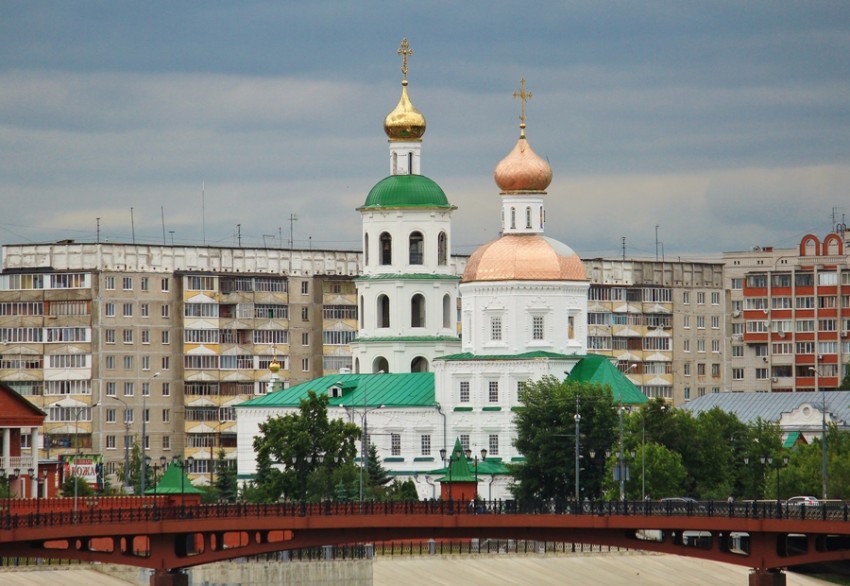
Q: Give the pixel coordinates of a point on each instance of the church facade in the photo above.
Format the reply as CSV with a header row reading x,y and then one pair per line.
x,y
417,387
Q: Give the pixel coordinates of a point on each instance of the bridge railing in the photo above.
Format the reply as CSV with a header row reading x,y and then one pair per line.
x,y
156,511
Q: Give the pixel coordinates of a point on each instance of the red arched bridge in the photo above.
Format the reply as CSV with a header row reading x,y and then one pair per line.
x,y
151,533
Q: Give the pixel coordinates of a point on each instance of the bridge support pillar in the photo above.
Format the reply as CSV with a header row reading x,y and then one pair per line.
x,y
769,577
169,578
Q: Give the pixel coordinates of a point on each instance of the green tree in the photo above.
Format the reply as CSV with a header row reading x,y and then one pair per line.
x,y
665,474
546,427
400,490
83,487
376,476
310,448
226,483
135,476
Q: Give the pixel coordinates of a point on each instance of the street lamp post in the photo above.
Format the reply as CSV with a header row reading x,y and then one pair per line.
x,y
621,456
452,458
161,466
577,418
144,430
823,447
126,442
183,465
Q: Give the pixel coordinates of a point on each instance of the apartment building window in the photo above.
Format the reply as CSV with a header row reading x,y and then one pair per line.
x,y
305,365
146,362
110,389
686,345
109,310
715,298
109,283
146,389
166,313
760,350
737,351
128,336
128,389
493,444
128,310
146,336
756,282
128,362
737,283
686,369
827,348
109,361
700,298
128,418
166,415
537,327
166,337
127,283
687,393
827,325
715,322
166,442
337,337
305,338
425,445
166,389
715,370
715,346
395,444
143,283
686,322
761,374
305,313
700,345
805,325
737,374
781,302
805,302
464,391
700,322
827,302
700,369
110,442
110,416
166,363
493,391
701,391
165,284
109,336
305,287
144,310
464,441
805,348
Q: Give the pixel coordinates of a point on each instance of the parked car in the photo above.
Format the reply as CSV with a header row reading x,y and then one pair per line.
x,y
809,501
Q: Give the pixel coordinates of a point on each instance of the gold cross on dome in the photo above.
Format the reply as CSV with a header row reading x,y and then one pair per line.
x,y
523,96
405,51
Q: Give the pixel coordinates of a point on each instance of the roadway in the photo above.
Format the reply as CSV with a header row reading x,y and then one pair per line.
x,y
624,569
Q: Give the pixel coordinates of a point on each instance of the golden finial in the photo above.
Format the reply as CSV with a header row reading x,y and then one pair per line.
x,y
523,96
405,51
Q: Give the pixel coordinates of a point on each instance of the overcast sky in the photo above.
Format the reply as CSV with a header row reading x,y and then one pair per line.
x,y
725,124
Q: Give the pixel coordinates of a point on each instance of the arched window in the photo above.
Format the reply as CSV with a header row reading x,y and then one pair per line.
x,y
528,217
419,364
410,163
417,311
513,218
416,248
356,366
386,249
362,312
383,311
366,249
395,163
447,311
442,248
380,364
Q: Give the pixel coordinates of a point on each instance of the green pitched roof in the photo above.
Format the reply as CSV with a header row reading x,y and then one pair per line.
x,y
174,481
598,369
791,440
405,191
414,389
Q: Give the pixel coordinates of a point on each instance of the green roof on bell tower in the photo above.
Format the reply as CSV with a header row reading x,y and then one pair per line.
x,y
406,191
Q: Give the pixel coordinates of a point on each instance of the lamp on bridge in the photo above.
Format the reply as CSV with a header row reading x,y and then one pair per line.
x,y
163,462
183,465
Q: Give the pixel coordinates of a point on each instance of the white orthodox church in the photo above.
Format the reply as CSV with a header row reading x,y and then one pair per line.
x,y
418,386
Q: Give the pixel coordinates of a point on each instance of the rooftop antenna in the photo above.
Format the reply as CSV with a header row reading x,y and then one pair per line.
x,y
623,238
656,243
292,219
172,236
272,236
98,231
133,225
203,213
239,235
162,215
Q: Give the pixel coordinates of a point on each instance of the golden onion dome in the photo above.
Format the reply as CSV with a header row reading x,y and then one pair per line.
x,y
523,170
405,122
524,257
274,366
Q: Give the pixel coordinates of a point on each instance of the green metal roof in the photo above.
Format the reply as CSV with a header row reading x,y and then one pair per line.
x,y
791,440
598,369
524,356
413,389
174,481
404,191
